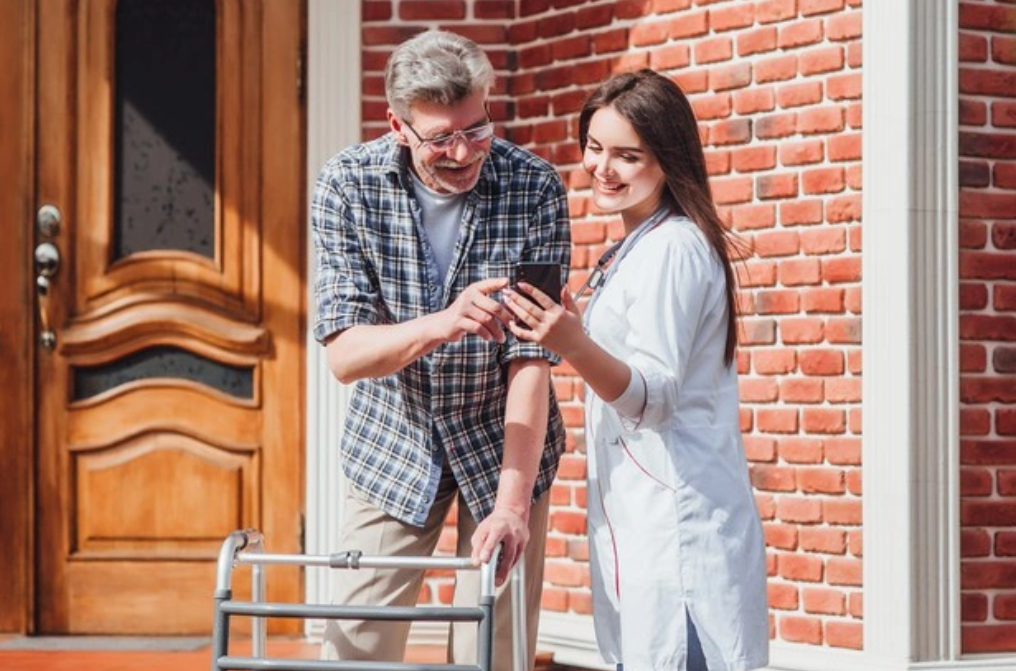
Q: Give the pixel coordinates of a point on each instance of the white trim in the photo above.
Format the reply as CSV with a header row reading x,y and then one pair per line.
x,y
333,122
910,333
571,638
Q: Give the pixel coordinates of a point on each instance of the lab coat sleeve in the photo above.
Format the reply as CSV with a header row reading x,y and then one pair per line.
x,y
664,317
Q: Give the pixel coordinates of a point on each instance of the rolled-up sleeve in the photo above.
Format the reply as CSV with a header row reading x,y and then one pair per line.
x,y
344,292
549,242
664,322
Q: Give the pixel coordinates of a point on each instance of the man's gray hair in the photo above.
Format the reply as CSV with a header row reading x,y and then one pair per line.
x,y
438,67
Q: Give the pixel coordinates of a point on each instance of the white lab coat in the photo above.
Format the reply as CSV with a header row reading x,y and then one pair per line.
x,y
673,527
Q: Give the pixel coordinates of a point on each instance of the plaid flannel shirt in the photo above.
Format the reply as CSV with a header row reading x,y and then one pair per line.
x,y
372,269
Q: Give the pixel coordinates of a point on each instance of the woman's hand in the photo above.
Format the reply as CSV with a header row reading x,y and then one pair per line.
x,y
555,327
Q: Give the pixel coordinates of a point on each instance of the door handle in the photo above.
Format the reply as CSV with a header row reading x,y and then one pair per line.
x,y
47,264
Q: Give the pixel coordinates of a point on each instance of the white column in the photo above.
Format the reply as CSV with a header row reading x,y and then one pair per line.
x,y
333,122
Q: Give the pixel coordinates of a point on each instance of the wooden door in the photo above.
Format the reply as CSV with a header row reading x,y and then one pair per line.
x,y
169,137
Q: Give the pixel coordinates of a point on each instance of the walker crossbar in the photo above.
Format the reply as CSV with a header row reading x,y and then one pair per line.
x,y
316,665
247,547
385,613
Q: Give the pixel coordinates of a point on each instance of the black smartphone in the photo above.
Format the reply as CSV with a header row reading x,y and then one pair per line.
x,y
544,276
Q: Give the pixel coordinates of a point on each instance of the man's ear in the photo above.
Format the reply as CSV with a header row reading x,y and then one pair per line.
x,y
395,123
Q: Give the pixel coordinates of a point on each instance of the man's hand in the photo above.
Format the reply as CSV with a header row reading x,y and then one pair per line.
x,y
503,526
474,311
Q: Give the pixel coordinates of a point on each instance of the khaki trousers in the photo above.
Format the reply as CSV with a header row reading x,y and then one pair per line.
x,y
373,532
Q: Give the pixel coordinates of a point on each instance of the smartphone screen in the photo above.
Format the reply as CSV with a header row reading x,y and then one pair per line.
x,y
544,276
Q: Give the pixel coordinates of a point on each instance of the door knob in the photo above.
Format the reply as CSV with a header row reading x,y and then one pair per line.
x,y
47,259
47,263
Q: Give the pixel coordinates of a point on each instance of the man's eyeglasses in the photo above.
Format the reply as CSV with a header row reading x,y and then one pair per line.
x,y
446,141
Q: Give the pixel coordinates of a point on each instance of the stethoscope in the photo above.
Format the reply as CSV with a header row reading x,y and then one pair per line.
x,y
599,275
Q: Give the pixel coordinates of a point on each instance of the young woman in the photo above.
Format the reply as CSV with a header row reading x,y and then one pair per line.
x,y
676,547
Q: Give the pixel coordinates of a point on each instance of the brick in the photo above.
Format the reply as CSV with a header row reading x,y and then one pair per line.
x,y
821,361
493,9
793,213
776,126
797,95
757,331
777,302
760,449
988,638
824,601
707,108
988,513
973,48
777,68
844,634
801,450
844,571
714,50
813,7
975,422
648,34
773,11
776,186
987,82
824,240
802,33
695,81
823,180
754,100
432,10
987,452
988,18
688,25
668,57
756,41
844,390
988,145
1004,298
1003,359
975,543
988,575
734,17
774,361
823,421
821,120
594,17
842,27
782,536
844,87
773,478
801,390
731,190
1003,49
782,596
819,61
758,389
777,420
823,539
845,147
802,153
799,567
821,481
751,159
1003,174
973,607
802,331
843,209
841,269
1003,114
797,272
801,630
729,77
843,451
750,217
755,274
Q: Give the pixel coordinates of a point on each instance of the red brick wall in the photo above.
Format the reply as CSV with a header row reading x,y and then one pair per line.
x,y
776,85
987,144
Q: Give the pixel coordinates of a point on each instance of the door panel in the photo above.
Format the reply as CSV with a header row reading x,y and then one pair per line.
x,y
171,408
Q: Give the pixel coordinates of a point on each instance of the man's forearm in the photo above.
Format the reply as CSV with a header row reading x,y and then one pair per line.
x,y
380,350
525,432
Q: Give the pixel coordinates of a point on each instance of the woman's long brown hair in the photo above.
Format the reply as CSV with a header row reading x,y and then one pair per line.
x,y
663,118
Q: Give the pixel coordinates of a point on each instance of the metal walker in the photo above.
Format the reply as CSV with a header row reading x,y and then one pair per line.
x,y
247,547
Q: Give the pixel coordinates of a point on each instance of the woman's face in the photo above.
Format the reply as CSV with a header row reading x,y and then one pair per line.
x,y
626,175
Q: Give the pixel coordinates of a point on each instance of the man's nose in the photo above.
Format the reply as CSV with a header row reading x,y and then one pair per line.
x,y
460,149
